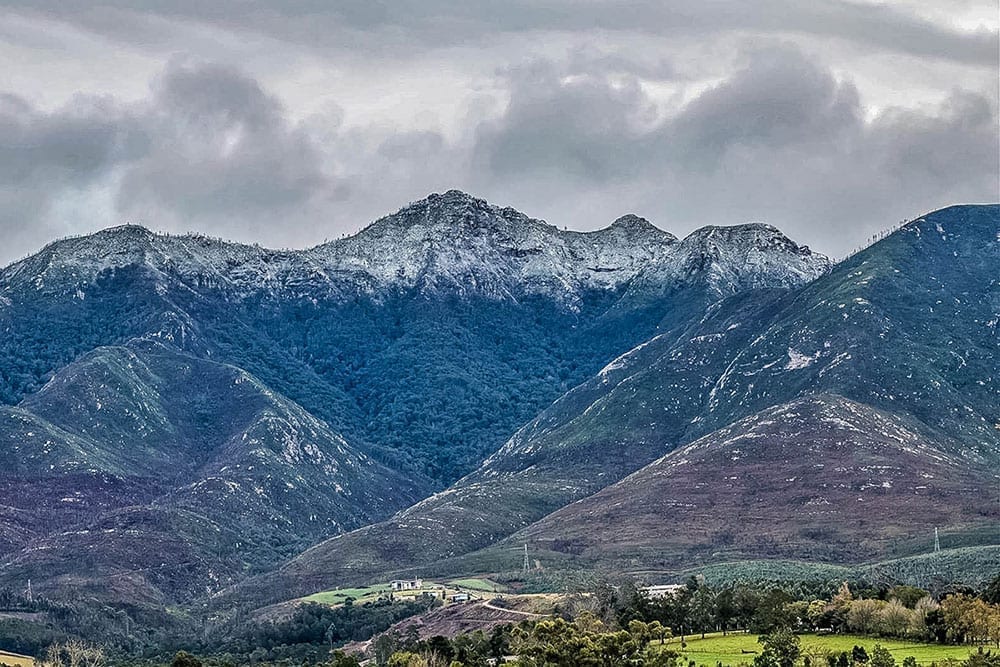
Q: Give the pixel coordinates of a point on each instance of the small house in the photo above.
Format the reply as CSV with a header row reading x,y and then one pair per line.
x,y
460,597
406,584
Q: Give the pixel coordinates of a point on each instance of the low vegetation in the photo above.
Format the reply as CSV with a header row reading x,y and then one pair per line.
x,y
742,625
484,585
606,624
341,595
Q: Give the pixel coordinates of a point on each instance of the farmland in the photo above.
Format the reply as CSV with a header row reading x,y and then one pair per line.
x,y
340,595
15,660
361,595
740,648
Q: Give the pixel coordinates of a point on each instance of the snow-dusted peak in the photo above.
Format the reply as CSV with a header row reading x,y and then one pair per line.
x,y
452,216
632,228
451,241
634,223
76,263
736,258
756,234
455,240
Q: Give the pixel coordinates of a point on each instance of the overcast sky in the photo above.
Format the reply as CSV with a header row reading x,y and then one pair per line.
x,y
288,123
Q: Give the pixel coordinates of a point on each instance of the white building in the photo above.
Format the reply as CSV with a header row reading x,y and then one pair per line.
x,y
406,584
662,590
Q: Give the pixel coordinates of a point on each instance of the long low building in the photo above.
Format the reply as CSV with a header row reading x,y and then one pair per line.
x,y
662,590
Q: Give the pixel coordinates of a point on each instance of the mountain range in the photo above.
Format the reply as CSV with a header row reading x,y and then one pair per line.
x,y
189,419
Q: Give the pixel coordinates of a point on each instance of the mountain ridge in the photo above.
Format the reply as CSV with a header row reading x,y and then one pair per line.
x,y
158,436
335,327
235,404
868,331
439,232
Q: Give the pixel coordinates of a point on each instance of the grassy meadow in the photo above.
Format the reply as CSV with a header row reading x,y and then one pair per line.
x,y
15,660
365,594
740,648
340,595
474,584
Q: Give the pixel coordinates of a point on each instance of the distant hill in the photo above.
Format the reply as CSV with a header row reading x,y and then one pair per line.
x,y
186,473
820,478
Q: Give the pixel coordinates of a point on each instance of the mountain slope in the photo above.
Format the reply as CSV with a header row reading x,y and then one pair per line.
x,y
427,338
165,447
870,330
820,478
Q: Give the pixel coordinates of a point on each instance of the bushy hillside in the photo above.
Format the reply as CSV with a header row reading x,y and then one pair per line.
x,y
183,473
820,478
428,337
905,329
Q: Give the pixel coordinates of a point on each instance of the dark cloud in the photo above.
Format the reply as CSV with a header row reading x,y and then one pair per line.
x,y
781,98
210,149
406,25
581,125
602,126
51,155
578,139
71,146
781,140
222,151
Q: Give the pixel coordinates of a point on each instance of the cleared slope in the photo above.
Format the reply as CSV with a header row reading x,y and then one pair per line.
x,y
820,478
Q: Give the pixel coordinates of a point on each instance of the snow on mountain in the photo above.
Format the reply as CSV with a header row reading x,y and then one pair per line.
x,y
447,241
737,258
455,240
197,260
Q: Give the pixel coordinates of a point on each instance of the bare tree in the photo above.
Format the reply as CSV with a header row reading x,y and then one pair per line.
x,y
73,653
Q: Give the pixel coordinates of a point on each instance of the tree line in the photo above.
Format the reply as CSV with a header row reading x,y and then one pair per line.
x,y
619,624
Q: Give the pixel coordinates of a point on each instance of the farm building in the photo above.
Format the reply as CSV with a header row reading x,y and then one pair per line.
x,y
460,597
406,584
662,590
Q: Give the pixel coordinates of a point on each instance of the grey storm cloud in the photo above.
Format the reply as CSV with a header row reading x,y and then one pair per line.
x,y
781,139
209,148
49,154
584,126
72,145
220,147
408,24
780,99
755,124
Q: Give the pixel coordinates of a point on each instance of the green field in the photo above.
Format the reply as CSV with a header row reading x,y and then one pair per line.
x,y
740,648
365,594
339,595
